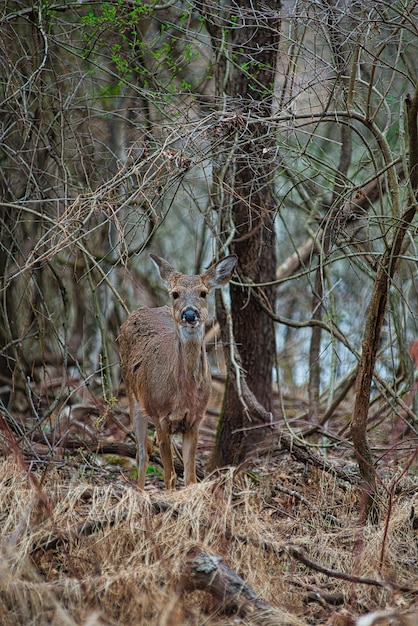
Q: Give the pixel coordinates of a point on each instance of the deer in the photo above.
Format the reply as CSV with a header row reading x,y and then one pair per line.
x,y
165,367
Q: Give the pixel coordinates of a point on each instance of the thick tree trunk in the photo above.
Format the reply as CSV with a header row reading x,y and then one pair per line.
x,y
240,432
248,90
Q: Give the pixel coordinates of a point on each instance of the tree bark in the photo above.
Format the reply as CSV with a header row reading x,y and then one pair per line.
x,y
248,88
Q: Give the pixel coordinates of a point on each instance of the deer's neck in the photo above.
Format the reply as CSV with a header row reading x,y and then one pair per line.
x,y
192,353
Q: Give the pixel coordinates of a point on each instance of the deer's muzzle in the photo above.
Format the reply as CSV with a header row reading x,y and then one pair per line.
x,y
191,317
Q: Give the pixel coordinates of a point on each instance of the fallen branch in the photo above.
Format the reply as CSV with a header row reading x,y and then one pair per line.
x,y
305,455
97,445
297,554
85,529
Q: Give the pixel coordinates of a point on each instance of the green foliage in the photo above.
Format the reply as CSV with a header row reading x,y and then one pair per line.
x,y
113,31
154,470
122,24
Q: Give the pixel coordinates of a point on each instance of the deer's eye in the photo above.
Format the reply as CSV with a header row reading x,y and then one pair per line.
x,y
175,295
203,294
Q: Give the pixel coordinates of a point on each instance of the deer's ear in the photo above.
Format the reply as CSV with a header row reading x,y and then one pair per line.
x,y
166,270
221,272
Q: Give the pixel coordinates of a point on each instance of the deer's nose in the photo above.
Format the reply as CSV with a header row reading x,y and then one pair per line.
x,y
190,316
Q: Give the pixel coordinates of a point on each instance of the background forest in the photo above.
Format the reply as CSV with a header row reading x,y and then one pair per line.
x,y
282,132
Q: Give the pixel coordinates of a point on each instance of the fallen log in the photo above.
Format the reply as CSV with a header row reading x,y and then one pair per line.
x,y
231,594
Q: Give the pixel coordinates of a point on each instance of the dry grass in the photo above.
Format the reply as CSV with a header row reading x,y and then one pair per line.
x,y
97,551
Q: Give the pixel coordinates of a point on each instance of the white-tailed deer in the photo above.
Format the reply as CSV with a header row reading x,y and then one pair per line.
x,y
165,367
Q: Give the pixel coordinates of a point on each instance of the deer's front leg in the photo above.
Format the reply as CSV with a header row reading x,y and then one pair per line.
x,y
164,441
189,453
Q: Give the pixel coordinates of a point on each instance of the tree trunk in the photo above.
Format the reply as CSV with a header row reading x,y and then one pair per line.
x,y
374,321
248,90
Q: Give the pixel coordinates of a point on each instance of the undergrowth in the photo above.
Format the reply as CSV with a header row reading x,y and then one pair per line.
x,y
93,551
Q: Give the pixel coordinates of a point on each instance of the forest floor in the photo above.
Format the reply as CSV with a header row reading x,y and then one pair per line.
x,y
280,540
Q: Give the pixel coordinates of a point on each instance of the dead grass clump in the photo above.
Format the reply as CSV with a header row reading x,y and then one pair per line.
x,y
269,546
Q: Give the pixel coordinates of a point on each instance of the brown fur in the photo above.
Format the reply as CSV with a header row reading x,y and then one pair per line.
x,y
165,367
